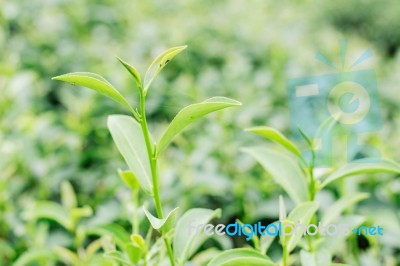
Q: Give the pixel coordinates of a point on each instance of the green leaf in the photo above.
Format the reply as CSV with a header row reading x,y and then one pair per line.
x,y
318,258
284,170
127,135
35,255
266,241
337,241
129,179
68,197
134,252
242,257
359,167
95,82
67,255
159,63
276,136
334,211
117,256
185,243
190,114
117,232
163,225
133,71
49,210
302,214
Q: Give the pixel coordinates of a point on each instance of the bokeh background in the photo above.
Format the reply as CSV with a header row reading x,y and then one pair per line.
x,y
246,50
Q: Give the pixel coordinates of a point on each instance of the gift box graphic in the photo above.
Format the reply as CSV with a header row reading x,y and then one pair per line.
x,y
342,103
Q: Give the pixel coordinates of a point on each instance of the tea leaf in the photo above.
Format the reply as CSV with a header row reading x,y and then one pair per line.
x,y
129,179
35,255
50,210
276,136
266,241
117,232
302,214
127,135
336,241
67,255
184,240
163,225
359,167
241,256
339,206
117,256
95,82
317,258
68,197
134,252
190,114
283,170
159,63
133,71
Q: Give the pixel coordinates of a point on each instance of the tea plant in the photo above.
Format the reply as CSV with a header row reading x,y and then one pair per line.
x,y
297,177
136,144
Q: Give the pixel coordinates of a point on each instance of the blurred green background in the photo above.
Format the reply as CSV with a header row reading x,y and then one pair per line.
x,y
245,50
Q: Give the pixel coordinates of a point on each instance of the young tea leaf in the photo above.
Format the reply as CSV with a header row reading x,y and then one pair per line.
x,y
276,136
159,63
284,170
68,197
359,167
241,256
163,225
95,82
188,231
317,258
339,206
190,114
302,214
127,135
133,71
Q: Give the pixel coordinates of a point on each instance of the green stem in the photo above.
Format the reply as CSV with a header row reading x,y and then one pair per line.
x,y
311,171
285,256
152,159
153,167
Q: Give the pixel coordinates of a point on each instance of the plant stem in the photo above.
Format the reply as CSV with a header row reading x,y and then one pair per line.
x,y
152,159
285,256
153,168
312,181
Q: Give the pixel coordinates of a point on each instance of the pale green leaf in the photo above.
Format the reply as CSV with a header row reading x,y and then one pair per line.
x,y
317,258
284,170
95,82
242,257
301,214
266,240
67,255
117,233
189,229
129,179
159,63
49,210
127,135
163,225
134,252
68,197
334,211
337,240
133,71
190,114
362,166
276,136
35,255
118,256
